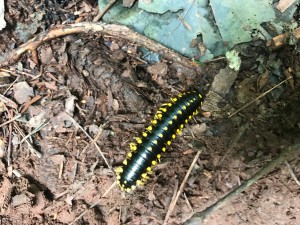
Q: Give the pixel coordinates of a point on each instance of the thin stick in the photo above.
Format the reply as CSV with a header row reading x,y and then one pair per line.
x,y
11,120
74,171
188,203
118,31
35,130
16,72
259,97
9,87
96,203
91,139
8,102
292,173
199,217
100,130
173,203
9,145
106,8
31,148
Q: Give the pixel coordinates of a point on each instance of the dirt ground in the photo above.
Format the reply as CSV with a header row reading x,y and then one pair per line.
x,y
93,88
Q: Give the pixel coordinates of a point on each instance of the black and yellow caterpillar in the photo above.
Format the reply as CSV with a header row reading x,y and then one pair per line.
x,y
146,151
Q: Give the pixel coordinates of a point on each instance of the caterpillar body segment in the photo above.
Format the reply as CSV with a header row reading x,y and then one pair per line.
x,y
146,151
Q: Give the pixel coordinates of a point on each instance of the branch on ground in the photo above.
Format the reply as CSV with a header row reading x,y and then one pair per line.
x,y
118,31
199,217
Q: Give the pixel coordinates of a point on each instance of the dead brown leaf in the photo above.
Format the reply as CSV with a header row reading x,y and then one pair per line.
x,y
46,55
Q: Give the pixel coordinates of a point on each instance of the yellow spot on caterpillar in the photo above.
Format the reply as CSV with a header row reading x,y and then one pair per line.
x,y
158,116
144,175
133,187
155,142
175,117
200,96
149,128
188,104
194,99
161,135
119,169
154,162
128,190
125,162
149,149
190,117
118,177
171,122
145,134
138,140
158,156
132,146
166,128
174,99
168,142
154,122
169,104
163,149
178,131
149,169
173,136
129,155
184,107
196,111
179,112
139,183
181,126
186,121
163,109
118,182
125,182
180,95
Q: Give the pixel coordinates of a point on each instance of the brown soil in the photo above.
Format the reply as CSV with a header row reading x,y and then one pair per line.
x,y
104,86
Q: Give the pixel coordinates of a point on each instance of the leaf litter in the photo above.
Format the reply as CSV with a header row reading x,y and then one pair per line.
x,y
100,83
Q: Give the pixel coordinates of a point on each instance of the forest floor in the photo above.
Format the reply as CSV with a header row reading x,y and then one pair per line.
x,y
82,89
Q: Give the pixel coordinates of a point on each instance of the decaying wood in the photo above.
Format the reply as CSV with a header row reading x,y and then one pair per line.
x,y
118,31
282,39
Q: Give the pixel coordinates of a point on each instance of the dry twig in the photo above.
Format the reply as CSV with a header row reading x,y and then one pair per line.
x,y
106,8
199,217
292,173
117,31
11,120
259,97
173,203
31,148
281,40
96,203
89,137
40,127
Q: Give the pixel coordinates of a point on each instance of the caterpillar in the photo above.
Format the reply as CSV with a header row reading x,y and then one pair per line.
x,y
146,151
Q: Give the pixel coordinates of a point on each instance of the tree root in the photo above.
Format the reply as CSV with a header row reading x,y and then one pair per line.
x,y
114,30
